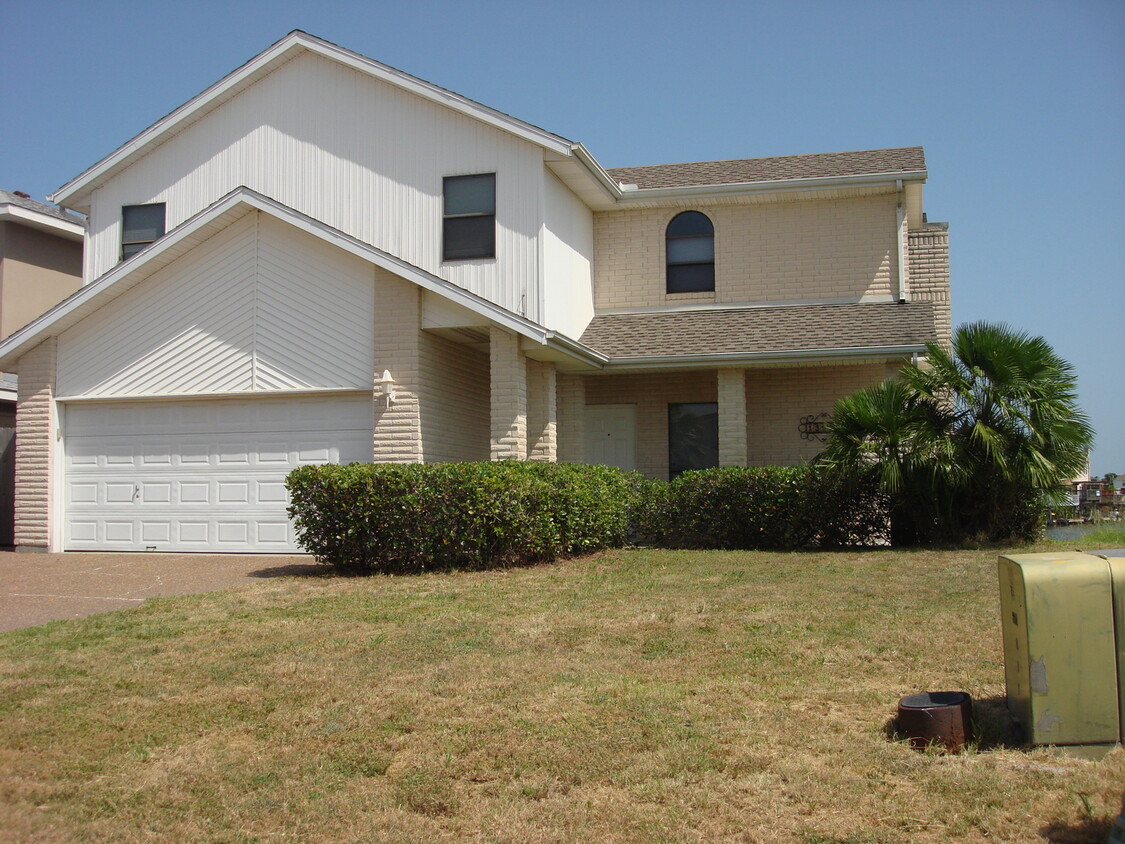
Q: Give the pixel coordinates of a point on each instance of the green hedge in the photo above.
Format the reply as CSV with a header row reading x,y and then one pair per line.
x,y
761,508
409,518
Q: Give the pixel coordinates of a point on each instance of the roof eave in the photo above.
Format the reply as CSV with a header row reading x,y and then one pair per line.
x,y
734,359
10,212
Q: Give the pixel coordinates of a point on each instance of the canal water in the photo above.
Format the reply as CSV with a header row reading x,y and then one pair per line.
x,y
1075,532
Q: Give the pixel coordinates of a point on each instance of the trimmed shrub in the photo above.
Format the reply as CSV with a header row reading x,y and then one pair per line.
x,y
761,508
410,518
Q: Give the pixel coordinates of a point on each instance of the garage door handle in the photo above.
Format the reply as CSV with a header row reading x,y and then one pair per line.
x,y
136,491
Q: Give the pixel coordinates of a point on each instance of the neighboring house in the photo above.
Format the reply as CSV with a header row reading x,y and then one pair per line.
x,y
322,258
40,265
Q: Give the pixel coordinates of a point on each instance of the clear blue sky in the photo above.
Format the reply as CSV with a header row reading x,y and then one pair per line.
x,y
1020,106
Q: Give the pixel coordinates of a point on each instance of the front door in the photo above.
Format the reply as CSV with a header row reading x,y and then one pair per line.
x,y
611,435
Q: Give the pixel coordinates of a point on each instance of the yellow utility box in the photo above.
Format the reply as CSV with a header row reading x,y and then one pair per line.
x,y
1062,653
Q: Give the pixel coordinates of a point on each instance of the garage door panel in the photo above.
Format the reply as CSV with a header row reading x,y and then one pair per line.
x,y
205,475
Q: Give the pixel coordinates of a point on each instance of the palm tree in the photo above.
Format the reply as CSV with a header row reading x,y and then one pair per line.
x,y
888,434
971,440
1014,419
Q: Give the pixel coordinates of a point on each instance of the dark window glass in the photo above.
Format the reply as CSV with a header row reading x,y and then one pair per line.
x,y
693,436
140,226
690,253
469,221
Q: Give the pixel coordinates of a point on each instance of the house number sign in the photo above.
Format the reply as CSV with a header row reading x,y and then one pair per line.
x,y
812,426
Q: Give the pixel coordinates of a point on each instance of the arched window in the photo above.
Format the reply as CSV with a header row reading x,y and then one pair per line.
x,y
690,249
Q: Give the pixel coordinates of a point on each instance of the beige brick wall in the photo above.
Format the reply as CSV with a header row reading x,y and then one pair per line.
x,y
35,428
732,417
929,273
509,396
652,393
454,403
777,399
571,428
398,430
542,411
769,252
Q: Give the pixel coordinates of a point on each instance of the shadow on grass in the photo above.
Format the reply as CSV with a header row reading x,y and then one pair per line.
x,y
993,726
296,570
1088,831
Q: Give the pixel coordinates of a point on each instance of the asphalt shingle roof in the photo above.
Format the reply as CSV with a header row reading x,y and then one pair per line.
x,y
761,331
9,198
782,167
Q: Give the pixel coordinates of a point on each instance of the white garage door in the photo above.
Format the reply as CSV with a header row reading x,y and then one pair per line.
x,y
199,475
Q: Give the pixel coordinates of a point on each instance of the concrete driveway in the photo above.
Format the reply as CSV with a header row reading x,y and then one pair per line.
x,y
37,588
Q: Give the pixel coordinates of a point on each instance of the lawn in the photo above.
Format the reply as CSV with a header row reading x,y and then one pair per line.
x,y
631,696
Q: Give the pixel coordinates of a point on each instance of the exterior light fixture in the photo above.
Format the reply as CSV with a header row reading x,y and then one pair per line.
x,y
388,385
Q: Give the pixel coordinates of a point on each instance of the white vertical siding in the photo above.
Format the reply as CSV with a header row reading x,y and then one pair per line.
x,y
259,307
568,250
356,153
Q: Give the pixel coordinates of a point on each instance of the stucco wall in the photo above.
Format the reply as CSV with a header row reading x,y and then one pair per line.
x,y
37,271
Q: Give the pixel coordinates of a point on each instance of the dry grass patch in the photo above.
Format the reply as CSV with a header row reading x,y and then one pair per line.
x,y
633,696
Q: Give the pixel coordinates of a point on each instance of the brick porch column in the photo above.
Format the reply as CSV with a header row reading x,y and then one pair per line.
x,y
572,418
35,435
732,417
541,411
398,428
509,396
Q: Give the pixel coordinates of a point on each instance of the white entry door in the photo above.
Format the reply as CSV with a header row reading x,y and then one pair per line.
x,y
199,475
611,435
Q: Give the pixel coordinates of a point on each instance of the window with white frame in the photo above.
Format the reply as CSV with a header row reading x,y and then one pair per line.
x,y
690,252
469,217
140,226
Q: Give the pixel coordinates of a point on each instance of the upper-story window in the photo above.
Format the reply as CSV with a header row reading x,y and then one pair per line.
x,y
469,218
140,226
690,248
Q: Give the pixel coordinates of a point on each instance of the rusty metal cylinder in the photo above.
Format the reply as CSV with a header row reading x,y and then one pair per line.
x,y
941,718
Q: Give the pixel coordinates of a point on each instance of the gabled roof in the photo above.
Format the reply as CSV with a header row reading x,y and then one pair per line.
x,y
571,162
296,42
775,333
38,215
906,161
222,213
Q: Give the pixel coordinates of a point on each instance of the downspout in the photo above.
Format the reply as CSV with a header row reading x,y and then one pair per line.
x,y
900,238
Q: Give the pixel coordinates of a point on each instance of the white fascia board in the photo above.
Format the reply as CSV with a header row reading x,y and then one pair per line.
x,y
90,296
12,213
605,181
574,349
275,55
630,195
733,359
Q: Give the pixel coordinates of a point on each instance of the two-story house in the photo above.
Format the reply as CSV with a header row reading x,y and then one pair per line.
x,y
322,258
